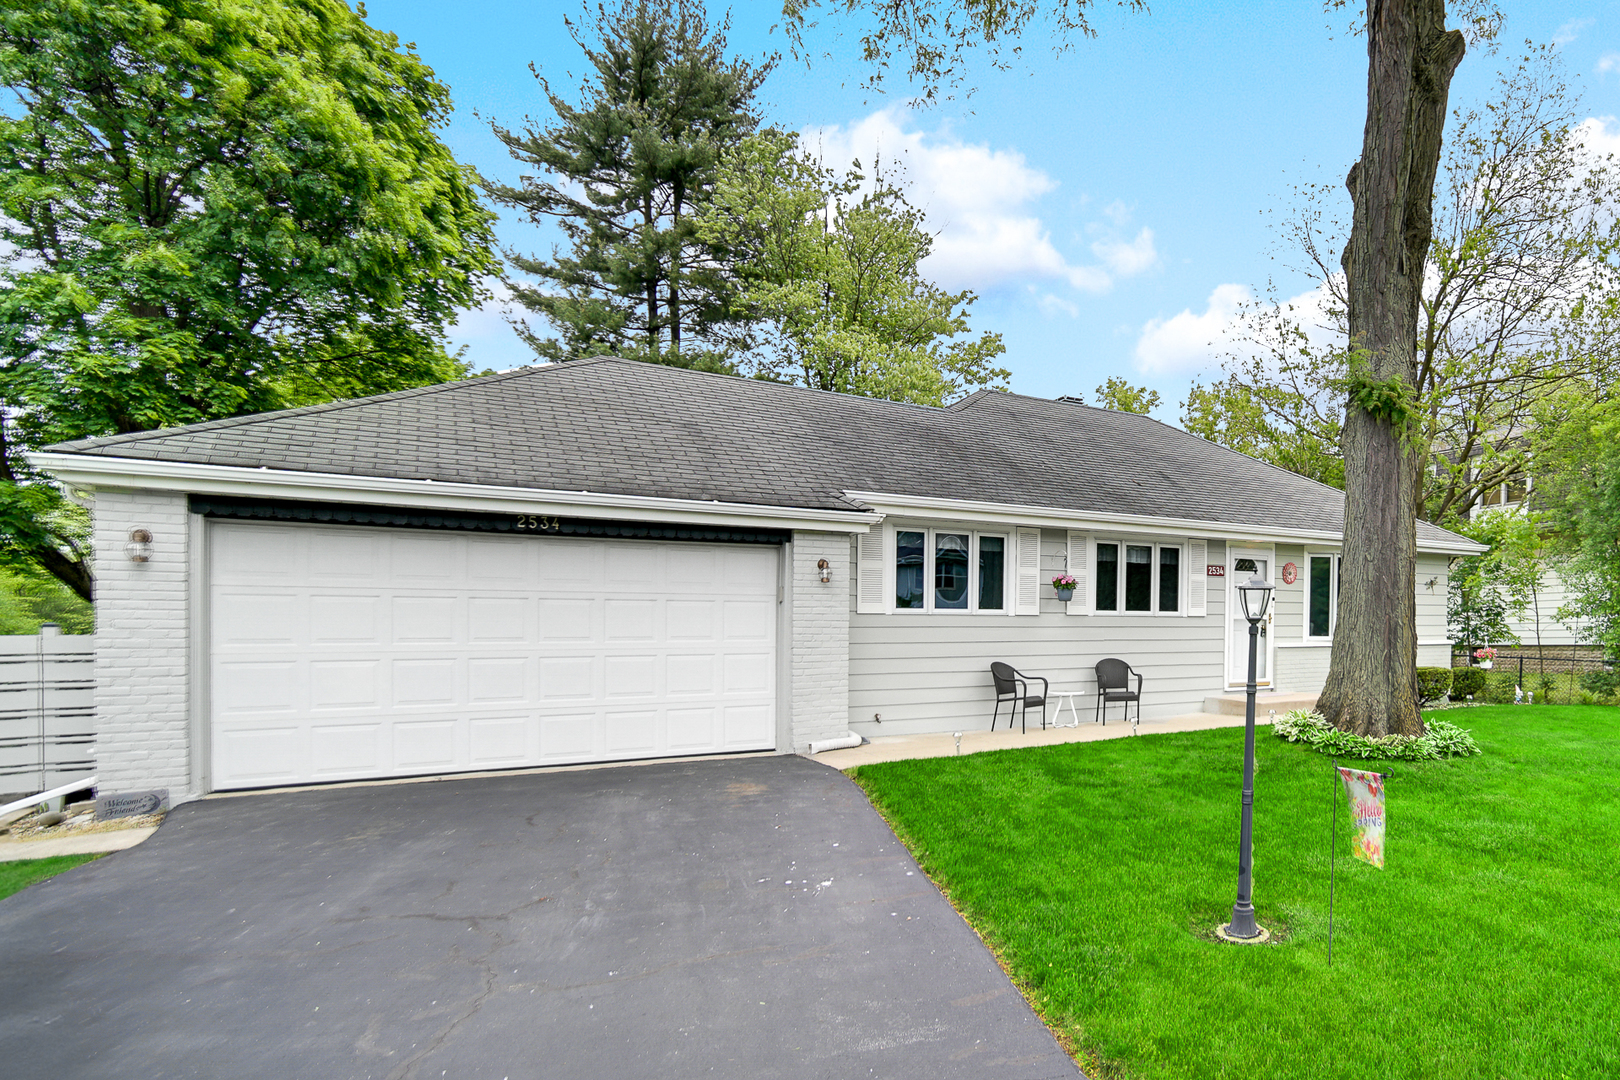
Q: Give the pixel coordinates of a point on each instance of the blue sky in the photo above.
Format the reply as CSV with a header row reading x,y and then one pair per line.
x,y
1109,205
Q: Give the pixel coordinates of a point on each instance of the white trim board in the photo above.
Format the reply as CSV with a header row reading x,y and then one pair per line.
x,y
89,471
968,510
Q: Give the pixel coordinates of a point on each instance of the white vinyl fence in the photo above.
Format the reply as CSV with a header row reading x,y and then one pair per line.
x,y
47,710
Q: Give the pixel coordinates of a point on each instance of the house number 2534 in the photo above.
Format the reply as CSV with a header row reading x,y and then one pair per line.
x,y
537,522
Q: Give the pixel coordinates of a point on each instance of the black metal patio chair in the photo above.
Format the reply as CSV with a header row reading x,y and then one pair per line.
x,y
1113,684
1012,686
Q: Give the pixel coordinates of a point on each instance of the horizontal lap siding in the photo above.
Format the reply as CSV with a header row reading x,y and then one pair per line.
x,y
931,672
1431,599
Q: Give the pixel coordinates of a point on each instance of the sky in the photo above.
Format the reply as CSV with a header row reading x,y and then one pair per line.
x,y
1112,205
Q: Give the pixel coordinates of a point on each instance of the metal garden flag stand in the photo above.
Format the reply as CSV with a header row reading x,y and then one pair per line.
x,y
1365,791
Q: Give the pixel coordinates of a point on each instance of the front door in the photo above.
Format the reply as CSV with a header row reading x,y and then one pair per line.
x,y
1245,565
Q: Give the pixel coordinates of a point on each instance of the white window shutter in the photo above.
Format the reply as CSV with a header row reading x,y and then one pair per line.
x,y
1197,577
869,589
1027,597
1080,570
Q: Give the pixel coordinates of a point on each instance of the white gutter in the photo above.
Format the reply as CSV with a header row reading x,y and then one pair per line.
x,y
89,471
970,510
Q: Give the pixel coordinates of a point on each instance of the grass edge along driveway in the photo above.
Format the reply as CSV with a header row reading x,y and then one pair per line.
x,y
1488,947
17,876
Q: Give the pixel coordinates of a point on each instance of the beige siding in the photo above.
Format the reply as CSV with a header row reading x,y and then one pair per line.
x,y
1539,624
931,672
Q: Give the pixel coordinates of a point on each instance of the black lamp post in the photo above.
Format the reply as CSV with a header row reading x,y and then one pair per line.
x,y
1255,595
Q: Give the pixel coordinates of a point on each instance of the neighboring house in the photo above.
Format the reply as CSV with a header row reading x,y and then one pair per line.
x,y
609,560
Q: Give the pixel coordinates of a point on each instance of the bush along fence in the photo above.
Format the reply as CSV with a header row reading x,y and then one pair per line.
x,y
1565,680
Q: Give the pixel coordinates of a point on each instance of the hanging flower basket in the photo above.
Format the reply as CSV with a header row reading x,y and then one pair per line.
x,y
1065,586
1485,657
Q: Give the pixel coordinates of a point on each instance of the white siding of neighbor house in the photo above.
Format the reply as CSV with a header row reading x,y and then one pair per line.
x,y
1551,593
930,671
1302,665
143,646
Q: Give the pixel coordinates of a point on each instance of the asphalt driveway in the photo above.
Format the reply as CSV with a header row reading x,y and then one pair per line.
x,y
742,918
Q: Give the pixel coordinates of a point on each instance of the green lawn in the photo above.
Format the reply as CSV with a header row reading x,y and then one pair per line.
x,y
17,876
1488,947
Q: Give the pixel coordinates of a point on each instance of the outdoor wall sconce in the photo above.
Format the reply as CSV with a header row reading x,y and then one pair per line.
x,y
826,570
139,548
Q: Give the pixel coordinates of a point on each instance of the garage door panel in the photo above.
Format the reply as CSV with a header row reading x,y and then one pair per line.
x,y
424,682
258,618
690,673
499,740
497,619
498,679
419,620
247,686
630,677
425,744
689,729
345,620
632,731
747,725
630,620
345,749
343,652
345,684
567,620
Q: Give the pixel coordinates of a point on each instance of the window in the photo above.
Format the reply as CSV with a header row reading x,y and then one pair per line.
x,y
934,570
1148,577
1107,577
1323,603
992,572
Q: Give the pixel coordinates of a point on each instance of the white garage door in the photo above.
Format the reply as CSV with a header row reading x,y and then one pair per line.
x,y
345,653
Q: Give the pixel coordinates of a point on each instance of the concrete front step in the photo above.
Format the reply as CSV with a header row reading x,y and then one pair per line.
x,y
1264,702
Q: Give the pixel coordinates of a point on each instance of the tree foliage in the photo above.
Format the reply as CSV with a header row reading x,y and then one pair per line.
x,y
1486,592
1519,300
1577,454
933,40
210,208
624,174
1119,394
829,284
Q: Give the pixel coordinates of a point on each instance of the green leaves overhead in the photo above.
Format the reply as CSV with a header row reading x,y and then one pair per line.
x,y
214,207
827,270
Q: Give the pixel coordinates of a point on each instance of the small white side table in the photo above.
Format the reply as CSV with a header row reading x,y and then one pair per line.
x,y
1059,695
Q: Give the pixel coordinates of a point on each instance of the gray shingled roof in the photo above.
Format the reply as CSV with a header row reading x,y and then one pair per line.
x,y
620,427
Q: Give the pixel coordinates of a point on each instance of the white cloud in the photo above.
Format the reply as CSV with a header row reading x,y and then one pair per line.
x,y
1570,30
1128,259
1608,62
978,201
1188,342
1051,304
1600,134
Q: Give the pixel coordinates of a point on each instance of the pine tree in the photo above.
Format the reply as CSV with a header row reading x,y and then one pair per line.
x,y
623,174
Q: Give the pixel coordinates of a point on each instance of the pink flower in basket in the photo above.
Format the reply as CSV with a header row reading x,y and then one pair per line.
x,y
1487,653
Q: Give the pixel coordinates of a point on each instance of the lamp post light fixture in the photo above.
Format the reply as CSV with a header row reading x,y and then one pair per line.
x,y
1255,595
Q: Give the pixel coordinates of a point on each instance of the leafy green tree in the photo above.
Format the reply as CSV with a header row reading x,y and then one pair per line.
x,y
1267,422
1577,481
1486,592
1116,393
623,174
30,599
829,286
210,208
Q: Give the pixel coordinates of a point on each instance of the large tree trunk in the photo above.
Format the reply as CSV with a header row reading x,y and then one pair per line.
x,y
1372,682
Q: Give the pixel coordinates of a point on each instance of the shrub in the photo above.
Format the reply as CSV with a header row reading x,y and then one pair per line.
x,y
1442,740
1601,683
1467,682
1432,683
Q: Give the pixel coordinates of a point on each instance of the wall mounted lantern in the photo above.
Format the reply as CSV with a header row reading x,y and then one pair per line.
x,y
139,548
826,570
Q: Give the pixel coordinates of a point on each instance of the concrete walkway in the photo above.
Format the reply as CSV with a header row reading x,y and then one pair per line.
x,y
14,850
904,747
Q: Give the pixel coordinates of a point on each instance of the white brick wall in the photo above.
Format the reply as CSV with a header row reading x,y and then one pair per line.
x,y
142,644
820,638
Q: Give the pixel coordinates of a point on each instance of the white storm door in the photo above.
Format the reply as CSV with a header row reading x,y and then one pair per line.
x,y
1244,565
342,653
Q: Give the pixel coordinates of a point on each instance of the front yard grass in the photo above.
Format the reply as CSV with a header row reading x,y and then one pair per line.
x,y
17,876
1489,947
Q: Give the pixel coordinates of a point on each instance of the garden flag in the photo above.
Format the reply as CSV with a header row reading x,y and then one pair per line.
x,y
1366,792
